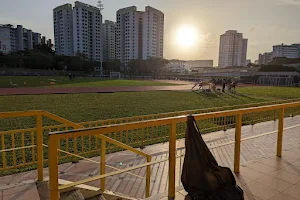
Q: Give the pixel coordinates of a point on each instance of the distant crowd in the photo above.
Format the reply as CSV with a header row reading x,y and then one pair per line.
x,y
230,84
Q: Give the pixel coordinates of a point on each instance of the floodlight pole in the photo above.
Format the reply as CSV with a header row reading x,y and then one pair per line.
x,y
101,69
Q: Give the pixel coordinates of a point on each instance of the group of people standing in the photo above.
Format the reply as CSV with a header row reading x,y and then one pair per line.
x,y
231,84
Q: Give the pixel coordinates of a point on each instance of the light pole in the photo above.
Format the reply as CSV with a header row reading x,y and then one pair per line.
x,y
101,69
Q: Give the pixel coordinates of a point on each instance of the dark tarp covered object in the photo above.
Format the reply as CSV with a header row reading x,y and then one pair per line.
x,y
202,177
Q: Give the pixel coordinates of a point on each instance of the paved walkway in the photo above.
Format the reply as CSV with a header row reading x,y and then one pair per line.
x,y
259,166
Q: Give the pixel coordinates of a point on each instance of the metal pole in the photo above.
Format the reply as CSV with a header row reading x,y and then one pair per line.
x,y
280,132
53,168
237,149
101,69
172,160
39,145
148,177
102,164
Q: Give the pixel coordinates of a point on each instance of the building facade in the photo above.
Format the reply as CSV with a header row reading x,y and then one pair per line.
x,y
127,34
87,22
139,35
232,49
198,64
265,59
78,30
109,40
288,51
63,29
175,66
37,39
153,33
17,39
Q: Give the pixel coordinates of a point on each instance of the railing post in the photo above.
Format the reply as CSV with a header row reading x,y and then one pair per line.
x,y
237,148
75,149
39,146
280,132
53,168
172,160
102,164
148,177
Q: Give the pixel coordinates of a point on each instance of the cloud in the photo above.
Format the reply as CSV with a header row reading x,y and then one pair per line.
x,y
289,2
252,29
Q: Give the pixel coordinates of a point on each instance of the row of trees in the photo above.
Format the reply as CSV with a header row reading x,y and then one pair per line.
x,y
284,60
152,66
278,68
43,57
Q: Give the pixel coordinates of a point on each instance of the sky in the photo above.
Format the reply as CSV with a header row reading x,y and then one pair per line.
x,y
263,22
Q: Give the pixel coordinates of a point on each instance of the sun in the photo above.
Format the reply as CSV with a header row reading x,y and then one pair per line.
x,y
186,36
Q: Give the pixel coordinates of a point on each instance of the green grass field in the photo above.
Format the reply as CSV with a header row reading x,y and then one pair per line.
x,y
90,107
270,91
45,81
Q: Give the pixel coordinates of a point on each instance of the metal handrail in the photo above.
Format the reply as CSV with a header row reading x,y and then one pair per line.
x,y
171,121
93,161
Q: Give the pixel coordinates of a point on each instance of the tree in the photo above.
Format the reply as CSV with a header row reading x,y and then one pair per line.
x,y
44,48
12,60
112,66
135,67
276,68
154,65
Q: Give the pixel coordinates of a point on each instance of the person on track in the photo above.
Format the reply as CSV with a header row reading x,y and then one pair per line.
x,y
223,85
200,84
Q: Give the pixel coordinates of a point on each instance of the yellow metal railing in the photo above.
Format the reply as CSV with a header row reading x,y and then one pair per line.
x,y
19,148
38,144
170,125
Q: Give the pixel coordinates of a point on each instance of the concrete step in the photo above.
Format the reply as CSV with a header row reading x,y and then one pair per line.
x,y
72,195
85,190
109,195
20,192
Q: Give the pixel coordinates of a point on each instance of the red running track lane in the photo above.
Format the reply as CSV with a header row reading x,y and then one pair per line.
x,y
73,90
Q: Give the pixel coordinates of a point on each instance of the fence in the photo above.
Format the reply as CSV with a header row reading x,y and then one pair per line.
x,y
172,128
21,148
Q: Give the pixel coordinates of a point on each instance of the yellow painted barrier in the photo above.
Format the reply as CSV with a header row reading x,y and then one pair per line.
x,y
18,157
171,122
25,146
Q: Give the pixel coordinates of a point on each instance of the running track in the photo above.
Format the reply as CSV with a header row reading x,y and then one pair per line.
x,y
72,90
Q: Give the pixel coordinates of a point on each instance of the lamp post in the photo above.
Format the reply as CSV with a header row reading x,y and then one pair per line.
x,y
101,69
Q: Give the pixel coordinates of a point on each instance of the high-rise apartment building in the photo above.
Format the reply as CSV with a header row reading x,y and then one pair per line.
x,y
233,49
265,59
109,40
63,29
288,51
87,22
17,39
78,30
153,33
139,35
36,39
127,34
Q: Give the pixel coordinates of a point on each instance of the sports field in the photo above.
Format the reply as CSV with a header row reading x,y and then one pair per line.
x,y
89,107
46,81
96,106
